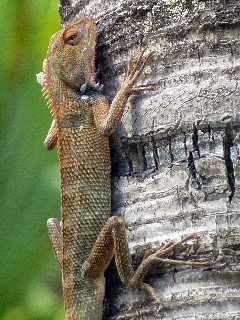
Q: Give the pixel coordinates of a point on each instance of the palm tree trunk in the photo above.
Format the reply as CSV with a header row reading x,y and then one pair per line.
x,y
175,155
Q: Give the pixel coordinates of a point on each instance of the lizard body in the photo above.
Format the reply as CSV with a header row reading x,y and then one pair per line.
x,y
82,122
81,126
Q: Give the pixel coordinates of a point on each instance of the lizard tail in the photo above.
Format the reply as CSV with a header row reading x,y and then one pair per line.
x,y
90,307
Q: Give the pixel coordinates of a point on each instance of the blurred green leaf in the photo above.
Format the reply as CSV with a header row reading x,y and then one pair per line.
x,y
17,313
29,180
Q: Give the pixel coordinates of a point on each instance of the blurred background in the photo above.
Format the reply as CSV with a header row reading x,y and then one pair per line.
x,y
29,180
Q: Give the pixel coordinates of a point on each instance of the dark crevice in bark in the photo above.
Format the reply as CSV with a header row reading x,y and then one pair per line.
x,y
155,153
227,145
134,156
195,140
155,150
209,130
142,156
192,169
126,150
113,283
160,135
185,144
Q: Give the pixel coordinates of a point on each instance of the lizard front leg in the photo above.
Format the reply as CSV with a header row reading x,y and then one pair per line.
x,y
55,236
52,136
106,118
112,240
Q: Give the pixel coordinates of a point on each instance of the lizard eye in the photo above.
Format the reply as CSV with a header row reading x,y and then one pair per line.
x,y
72,39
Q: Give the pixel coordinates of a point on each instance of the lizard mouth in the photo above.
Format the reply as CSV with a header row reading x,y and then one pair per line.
x,y
89,73
90,51
84,31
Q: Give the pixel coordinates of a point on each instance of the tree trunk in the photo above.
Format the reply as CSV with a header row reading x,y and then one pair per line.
x,y
175,155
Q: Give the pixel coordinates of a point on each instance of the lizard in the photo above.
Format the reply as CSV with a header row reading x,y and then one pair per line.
x,y
88,237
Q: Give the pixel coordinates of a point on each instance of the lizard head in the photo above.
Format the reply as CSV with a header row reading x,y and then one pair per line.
x,y
70,60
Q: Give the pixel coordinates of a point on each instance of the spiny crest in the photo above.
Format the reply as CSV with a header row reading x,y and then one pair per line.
x,y
48,82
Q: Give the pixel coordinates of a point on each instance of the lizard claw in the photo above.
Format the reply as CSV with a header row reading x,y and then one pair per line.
x,y
147,87
136,66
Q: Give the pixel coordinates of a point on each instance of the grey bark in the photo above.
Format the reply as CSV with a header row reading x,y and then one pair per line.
x,y
175,155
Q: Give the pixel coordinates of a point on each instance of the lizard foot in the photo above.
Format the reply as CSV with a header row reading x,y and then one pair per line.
x,y
147,87
154,256
136,67
168,247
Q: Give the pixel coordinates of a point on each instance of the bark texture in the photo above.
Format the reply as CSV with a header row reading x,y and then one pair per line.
x,y
175,155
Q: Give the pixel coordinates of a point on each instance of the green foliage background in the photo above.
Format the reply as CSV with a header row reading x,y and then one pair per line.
x,y
29,181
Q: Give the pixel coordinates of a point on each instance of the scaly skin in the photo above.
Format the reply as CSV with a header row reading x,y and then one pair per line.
x,y
84,165
81,126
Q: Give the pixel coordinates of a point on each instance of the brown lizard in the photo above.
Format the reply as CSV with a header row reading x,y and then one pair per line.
x,y
88,238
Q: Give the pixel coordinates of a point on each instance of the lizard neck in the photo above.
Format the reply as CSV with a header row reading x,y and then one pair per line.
x,y
59,95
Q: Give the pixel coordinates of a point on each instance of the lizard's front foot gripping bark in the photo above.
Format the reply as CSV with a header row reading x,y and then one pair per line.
x,y
113,240
134,70
136,66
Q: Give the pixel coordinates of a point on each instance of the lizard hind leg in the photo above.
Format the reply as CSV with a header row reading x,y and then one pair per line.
x,y
112,240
